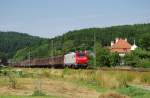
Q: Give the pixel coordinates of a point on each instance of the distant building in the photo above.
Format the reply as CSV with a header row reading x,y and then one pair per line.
x,y
122,46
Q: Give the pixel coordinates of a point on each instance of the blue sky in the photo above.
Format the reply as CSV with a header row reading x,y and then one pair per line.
x,y
49,18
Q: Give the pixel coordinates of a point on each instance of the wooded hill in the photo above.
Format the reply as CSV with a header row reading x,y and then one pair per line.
x,y
17,46
11,42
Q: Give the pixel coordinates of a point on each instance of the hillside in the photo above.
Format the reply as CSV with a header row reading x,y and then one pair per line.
x,y
10,42
17,45
83,39
105,35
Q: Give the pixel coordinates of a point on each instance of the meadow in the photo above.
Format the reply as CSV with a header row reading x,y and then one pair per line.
x,y
73,83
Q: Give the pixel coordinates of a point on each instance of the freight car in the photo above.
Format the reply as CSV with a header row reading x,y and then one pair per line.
x,y
72,59
3,62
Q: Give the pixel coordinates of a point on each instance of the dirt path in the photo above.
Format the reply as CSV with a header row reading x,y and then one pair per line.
x,y
50,87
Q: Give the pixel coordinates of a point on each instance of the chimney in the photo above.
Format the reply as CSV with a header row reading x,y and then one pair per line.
x,y
116,40
126,39
112,43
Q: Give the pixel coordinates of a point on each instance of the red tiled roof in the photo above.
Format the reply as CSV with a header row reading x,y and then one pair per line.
x,y
120,50
121,46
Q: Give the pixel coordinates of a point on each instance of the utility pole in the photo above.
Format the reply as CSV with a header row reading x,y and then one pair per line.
x,y
94,49
52,48
29,57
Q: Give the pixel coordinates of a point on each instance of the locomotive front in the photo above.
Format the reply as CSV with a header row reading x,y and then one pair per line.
x,y
81,59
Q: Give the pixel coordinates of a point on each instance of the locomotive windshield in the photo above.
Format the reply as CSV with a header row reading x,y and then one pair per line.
x,y
81,54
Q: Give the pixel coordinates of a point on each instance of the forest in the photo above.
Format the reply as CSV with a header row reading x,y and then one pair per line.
x,y
19,46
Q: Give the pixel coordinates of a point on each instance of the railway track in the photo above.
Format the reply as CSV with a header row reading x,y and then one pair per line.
x,y
127,69
102,68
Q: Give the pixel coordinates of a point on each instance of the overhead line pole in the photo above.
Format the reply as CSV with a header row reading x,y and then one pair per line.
x,y
29,58
94,49
52,48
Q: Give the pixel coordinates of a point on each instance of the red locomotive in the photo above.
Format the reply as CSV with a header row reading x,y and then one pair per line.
x,y
76,59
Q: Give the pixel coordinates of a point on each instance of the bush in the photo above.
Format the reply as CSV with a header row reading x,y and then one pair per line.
x,y
12,79
38,93
145,63
134,92
114,59
138,58
131,59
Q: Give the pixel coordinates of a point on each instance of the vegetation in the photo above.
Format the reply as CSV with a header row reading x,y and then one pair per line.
x,y
38,93
68,82
138,58
11,42
83,40
22,46
78,83
136,93
105,58
145,41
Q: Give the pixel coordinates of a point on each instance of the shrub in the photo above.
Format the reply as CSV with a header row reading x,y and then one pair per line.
x,y
134,92
131,59
114,59
38,93
145,63
12,79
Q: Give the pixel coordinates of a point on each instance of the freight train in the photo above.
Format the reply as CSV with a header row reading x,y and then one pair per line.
x,y
72,59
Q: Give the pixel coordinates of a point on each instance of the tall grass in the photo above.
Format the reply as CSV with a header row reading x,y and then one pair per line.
x,y
105,79
145,78
97,79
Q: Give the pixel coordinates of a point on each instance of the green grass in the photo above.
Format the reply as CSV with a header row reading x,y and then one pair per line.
x,y
134,92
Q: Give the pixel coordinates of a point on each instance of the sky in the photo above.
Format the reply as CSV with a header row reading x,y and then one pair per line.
x,y
50,18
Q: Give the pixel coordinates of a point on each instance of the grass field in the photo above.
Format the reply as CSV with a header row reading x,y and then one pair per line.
x,y
73,83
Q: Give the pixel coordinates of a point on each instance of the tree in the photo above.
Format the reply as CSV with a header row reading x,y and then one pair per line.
x,y
138,58
131,59
11,42
114,59
68,46
102,55
142,53
145,41
2,55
